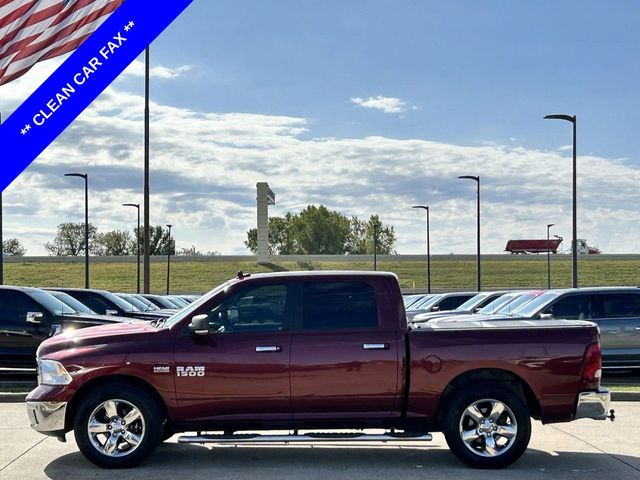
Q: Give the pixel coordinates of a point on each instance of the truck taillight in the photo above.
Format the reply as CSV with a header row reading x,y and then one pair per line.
x,y
592,363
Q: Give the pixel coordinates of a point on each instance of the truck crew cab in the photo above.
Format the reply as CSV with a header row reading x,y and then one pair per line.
x,y
313,351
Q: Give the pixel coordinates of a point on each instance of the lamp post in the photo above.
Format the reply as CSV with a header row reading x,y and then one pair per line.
x,y
477,180
86,223
147,259
549,225
168,257
375,246
137,235
426,207
574,243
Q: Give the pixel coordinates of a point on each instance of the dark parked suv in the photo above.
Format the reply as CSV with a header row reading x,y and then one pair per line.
x,y
30,315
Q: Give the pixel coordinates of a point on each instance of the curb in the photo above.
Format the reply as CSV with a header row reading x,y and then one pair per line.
x,y
621,396
12,397
616,396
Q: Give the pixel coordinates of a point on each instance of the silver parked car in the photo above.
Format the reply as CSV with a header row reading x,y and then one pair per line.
x,y
616,310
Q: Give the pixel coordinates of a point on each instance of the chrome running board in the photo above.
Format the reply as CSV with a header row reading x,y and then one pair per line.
x,y
251,438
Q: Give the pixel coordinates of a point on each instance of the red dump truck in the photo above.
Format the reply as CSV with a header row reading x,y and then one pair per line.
x,y
533,246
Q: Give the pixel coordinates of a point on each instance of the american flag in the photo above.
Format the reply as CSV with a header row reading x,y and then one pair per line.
x,y
35,30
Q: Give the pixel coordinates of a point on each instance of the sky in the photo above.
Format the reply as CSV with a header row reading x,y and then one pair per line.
x,y
365,106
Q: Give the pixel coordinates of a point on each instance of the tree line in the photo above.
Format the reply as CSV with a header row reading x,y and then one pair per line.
x,y
316,230
69,241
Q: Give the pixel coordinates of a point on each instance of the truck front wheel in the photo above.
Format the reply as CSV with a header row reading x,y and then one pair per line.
x,y
487,426
118,427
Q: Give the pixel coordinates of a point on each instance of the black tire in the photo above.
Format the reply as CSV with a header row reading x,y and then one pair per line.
x,y
501,451
147,428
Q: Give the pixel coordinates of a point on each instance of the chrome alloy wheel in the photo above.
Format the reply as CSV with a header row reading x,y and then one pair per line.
x,y
488,427
116,428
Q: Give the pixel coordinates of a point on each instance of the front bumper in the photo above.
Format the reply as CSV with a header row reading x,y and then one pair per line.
x,y
47,417
593,405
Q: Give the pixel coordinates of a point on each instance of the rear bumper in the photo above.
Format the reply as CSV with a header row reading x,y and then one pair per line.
x,y
593,405
47,417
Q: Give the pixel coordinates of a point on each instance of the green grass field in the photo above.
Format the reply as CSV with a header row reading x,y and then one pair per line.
x,y
447,272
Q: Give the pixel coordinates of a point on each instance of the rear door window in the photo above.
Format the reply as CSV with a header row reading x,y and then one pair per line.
x,y
339,306
616,305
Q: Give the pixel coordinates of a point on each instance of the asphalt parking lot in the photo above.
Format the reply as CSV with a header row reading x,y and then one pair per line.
x,y
577,450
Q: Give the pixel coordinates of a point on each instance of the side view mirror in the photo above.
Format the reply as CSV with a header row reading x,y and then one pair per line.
x,y
435,309
35,317
200,325
111,312
476,310
546,316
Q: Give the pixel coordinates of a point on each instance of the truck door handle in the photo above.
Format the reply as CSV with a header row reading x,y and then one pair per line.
x,y
375,346
270,348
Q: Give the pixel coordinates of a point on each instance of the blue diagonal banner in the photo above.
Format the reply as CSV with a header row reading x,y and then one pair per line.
x,y
79,80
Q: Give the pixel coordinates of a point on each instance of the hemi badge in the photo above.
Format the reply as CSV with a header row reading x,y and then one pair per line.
x,y
161,369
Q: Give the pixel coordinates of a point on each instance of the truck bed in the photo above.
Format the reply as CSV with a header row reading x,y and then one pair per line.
x,y
544,355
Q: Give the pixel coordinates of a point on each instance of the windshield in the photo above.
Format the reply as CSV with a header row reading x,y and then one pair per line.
x,y
121,303
511,308
179,302
534,306
72,302
473,302
185,312
492,307
410,299
427,303
51,303
134,301
150,305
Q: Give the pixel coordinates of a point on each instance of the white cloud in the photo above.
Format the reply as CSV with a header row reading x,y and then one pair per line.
x,y
205,166
385,104
136,69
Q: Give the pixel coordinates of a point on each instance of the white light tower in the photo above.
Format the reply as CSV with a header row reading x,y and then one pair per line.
x,y
264,198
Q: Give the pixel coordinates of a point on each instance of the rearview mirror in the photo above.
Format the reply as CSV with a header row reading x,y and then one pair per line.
x,y
200,325
34,317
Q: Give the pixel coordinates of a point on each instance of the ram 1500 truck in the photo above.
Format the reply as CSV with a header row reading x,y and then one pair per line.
x,y
313,351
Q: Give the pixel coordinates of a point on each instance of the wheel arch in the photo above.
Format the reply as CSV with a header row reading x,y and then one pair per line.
x,y
491,376
120,380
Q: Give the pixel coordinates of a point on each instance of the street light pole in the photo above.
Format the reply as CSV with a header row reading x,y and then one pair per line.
x,y
86,223
549,225
137,235
574,219
147,259
476,179
375,246
426,207
168,257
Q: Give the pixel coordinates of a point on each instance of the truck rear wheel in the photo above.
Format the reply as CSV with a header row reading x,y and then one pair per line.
x,y
118,427
487,426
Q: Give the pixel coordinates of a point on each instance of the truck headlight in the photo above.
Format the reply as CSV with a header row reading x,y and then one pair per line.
x,y
51,372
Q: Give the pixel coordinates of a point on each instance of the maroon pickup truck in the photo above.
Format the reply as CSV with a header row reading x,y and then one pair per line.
x,y
313,351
